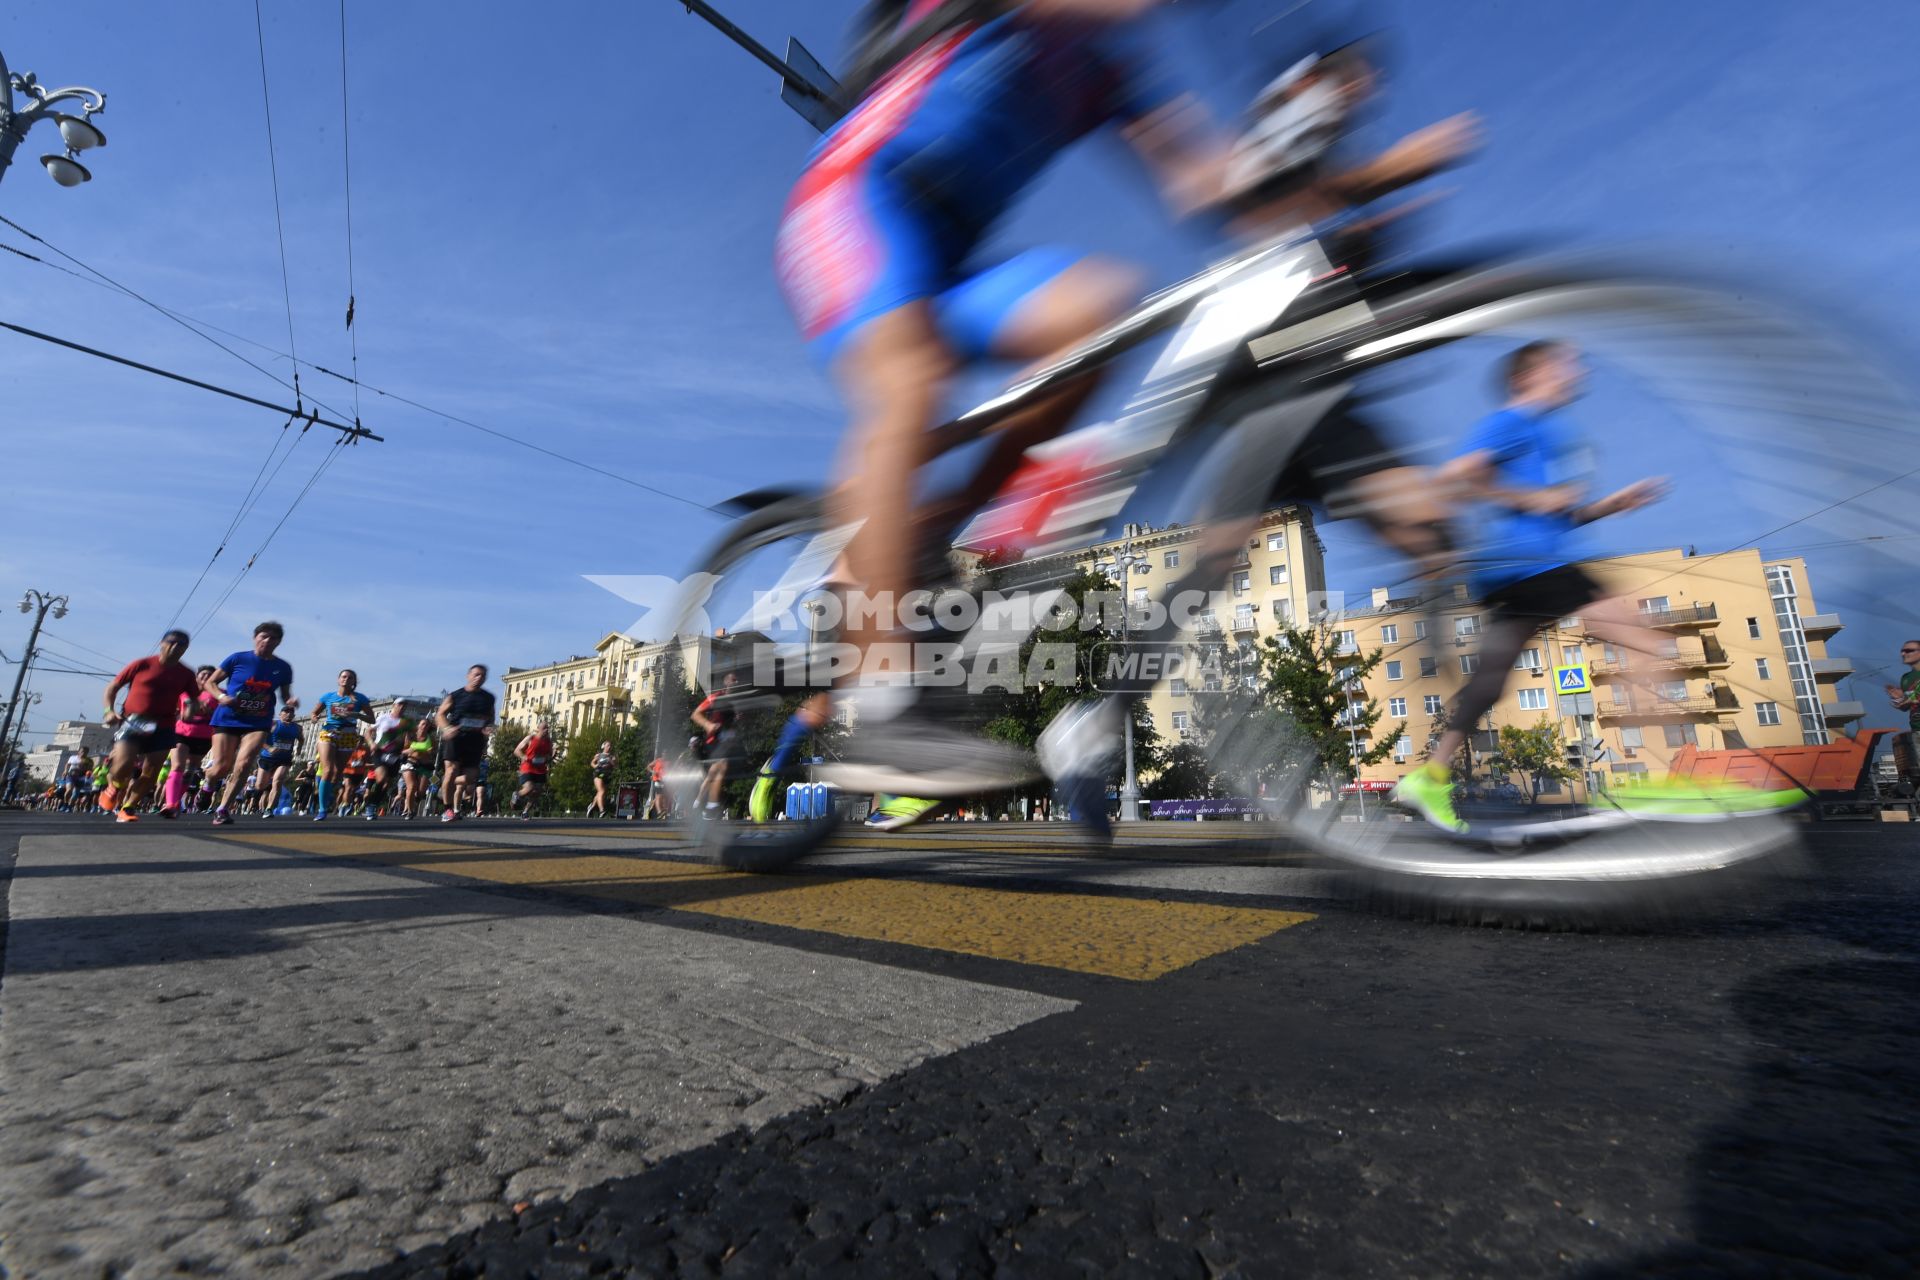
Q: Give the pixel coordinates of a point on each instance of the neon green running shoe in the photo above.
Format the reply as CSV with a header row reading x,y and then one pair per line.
x,y
1672,799
900,811
1428,791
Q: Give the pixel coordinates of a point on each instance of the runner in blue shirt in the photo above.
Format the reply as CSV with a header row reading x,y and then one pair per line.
x,y
340,714
276,761
245,686
1533,471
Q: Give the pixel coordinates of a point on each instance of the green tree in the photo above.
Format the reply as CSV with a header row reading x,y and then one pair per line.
x,y
1184,774
1019,717
1304,677
1535,754
503,769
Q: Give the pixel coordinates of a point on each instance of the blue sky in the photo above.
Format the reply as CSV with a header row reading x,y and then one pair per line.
x,y
562,230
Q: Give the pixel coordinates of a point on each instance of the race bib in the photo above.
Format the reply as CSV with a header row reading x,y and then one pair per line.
x,y
252,703
472,722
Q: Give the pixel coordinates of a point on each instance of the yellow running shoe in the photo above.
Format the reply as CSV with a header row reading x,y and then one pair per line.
x,y
1428,791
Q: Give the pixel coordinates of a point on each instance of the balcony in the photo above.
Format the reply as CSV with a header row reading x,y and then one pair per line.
x,y
1842,712
1700,704
1832,668
1698,615
1684,660
1713,656
1817,625
1245,622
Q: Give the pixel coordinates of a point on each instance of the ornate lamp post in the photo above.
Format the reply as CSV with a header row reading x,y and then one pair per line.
x,y
40,604
77,133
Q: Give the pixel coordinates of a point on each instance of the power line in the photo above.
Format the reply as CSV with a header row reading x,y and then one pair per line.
x,y
346,151
75,644
326,461
189,321
273,168
248,501
308,416
106,281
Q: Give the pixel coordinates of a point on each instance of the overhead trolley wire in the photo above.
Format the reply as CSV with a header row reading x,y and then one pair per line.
x,y
313,480
273,168
346,152
190,324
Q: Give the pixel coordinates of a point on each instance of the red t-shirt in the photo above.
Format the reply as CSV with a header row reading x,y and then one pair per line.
x,y
155,687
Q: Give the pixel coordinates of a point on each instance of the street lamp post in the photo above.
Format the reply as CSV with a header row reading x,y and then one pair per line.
x,y
1125,563
77,133
38,603
12,744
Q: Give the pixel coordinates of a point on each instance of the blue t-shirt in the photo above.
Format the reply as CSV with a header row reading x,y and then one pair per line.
x,y
285,737
251,681
343,709
1530,451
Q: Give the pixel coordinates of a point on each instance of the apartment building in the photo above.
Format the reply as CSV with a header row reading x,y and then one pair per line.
x,y
605,685
1740,660
1278,578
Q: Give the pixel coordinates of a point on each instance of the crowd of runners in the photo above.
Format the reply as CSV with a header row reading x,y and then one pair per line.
x,y
226,739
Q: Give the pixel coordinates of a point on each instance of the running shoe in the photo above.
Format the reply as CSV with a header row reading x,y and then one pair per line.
x,y
901,811
913,754
1681,799
222,816
170,814
107,798
126,815
1428,792
449,816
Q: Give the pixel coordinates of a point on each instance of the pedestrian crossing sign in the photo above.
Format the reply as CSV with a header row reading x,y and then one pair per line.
x,y
1571,680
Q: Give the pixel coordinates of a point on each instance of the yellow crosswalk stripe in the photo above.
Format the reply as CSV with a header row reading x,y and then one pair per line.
x,y
1119,937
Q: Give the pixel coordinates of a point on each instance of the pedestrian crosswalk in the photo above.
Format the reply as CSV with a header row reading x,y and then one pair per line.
x,y
1116,935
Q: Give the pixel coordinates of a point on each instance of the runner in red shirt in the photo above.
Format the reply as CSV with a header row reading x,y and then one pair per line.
x,y
144,724
535,753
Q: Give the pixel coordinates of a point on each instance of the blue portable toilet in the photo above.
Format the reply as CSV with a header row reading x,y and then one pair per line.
x,y
796,801
818,802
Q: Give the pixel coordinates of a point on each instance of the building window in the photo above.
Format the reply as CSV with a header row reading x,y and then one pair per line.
x,y
1753,628
1389,634
1529,660
1419,631
1276,542
1654,604
1397,707
1467,626
1549,786
1276,575
1181,721
1570,624
1769,712
1761,669
1633,737
1672,690
1431,704
1533,699
1570,654
1170,560
1139,596
1393,670
1343,642
1429,667
1242,583
1469,663
1402,748
1178,688
1681,735
1283,610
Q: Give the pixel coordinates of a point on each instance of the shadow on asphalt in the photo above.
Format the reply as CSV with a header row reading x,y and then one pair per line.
x,y
1818,1171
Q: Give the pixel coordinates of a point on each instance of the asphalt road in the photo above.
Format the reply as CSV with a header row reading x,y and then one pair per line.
x,y
964,1052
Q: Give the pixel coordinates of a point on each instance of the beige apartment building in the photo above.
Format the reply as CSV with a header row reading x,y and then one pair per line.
x,y
1742,662
1279,577
607,684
